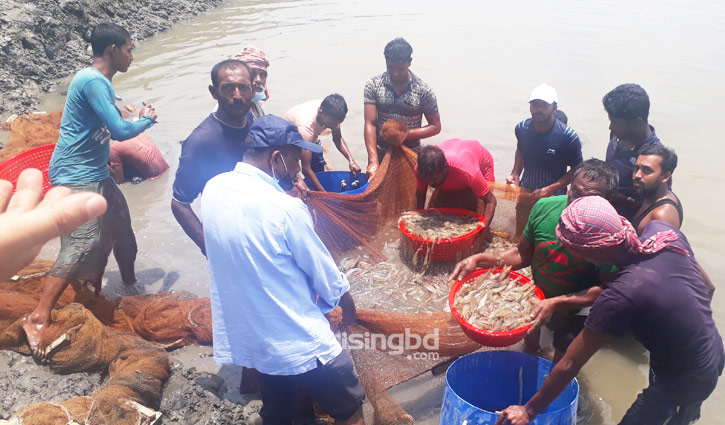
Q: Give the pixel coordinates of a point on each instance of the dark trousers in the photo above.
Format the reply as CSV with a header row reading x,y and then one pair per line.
x,y
333,386
660,403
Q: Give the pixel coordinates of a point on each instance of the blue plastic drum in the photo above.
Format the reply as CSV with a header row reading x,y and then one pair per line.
x,y
479,384
332,181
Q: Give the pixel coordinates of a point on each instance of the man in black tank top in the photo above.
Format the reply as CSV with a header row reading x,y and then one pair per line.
x,y
650,179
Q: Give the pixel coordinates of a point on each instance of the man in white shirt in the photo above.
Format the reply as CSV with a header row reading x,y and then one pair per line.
x,y
273,281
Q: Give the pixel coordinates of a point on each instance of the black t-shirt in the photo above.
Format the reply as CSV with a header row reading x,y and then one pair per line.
x,y
661,298
211,149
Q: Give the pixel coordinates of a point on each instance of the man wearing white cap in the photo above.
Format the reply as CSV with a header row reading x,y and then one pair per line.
x,y
547,150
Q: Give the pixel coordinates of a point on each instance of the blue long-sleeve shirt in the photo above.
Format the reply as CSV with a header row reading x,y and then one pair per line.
x,y
90,119
272,279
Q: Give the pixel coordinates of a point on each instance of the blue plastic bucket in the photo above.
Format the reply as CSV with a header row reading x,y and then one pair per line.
x,y
332,181
479,384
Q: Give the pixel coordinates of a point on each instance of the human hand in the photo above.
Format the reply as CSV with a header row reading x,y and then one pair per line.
x,y
372,168
354,167
148,110
544,192
28,220
463,268
300,189
513,180
544,310
514,415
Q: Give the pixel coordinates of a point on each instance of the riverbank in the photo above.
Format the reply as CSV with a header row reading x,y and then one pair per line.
x,y
43,40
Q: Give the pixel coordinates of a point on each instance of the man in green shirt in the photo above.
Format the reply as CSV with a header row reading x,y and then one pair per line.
x,y
568,282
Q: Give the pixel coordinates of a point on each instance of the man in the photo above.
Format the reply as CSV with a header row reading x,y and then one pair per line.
x,y
545,148
460,168
136,157
658,296
215,146
627,106
652,172
272,281
90,119
257,61
312,118
568,282
398,93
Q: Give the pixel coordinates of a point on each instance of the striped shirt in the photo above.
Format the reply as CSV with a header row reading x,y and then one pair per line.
x,y
417,99
547,155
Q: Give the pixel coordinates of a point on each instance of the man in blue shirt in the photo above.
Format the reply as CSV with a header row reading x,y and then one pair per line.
x,y
273,281
627,106
545,149
215,146
90,120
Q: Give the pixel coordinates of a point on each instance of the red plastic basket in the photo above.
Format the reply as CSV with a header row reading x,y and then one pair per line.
x,y
483,337
37,157
446,249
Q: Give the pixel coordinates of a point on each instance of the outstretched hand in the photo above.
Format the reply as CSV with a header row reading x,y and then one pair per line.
x,y
542,314
463,268
28,220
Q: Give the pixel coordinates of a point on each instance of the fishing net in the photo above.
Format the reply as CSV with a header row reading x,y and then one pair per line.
x,y
359,229
29,131
128,337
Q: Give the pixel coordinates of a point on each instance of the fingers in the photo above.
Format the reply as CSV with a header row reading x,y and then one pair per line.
x,y
28,191
456,272
61,216
6,188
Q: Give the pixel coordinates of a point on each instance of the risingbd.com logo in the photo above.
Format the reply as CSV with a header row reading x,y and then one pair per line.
x,y
412,345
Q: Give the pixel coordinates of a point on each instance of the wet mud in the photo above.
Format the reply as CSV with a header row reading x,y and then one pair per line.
x,y
43,40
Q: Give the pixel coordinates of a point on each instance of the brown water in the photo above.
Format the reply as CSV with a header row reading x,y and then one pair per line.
x,y
482,59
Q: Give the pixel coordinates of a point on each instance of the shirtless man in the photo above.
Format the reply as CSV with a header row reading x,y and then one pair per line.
x,y
652,172
651,182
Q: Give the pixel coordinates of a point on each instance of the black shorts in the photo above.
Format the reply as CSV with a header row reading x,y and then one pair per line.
x,y
333,386
570,326
318,162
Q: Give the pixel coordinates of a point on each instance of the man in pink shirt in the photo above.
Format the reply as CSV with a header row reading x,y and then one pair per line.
x,y
137,157
313,119
460,170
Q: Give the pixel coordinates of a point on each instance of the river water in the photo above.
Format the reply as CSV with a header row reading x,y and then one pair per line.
x,y
481,59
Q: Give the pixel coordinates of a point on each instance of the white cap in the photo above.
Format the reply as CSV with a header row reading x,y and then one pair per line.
x,y
544,92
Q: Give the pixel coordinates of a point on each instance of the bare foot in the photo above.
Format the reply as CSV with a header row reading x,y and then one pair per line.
x,y
35,328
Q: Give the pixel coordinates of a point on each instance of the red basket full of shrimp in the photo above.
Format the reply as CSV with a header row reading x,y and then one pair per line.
x,y
37,157
442,234
494,307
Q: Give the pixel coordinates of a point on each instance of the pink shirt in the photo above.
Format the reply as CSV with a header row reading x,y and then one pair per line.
x,y
470,165
304,116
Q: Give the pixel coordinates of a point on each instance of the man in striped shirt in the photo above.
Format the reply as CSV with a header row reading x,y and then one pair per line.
x,y
398,93
547,150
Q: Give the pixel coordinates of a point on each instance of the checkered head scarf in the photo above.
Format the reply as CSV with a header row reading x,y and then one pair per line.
x,y
253,57
592,222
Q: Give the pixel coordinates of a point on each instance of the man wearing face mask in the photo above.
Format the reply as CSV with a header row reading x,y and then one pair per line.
x,y
215,146
257,61
460,170
272,281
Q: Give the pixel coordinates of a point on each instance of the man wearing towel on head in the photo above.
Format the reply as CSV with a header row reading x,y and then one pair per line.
x,y
257,61
659,296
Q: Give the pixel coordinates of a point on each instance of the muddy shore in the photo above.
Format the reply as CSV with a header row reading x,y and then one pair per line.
x,y
43,40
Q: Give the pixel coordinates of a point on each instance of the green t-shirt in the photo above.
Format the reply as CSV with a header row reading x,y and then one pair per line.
x,y
555,270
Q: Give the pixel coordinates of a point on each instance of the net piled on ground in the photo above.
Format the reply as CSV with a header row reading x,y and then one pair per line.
x,y
29,131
